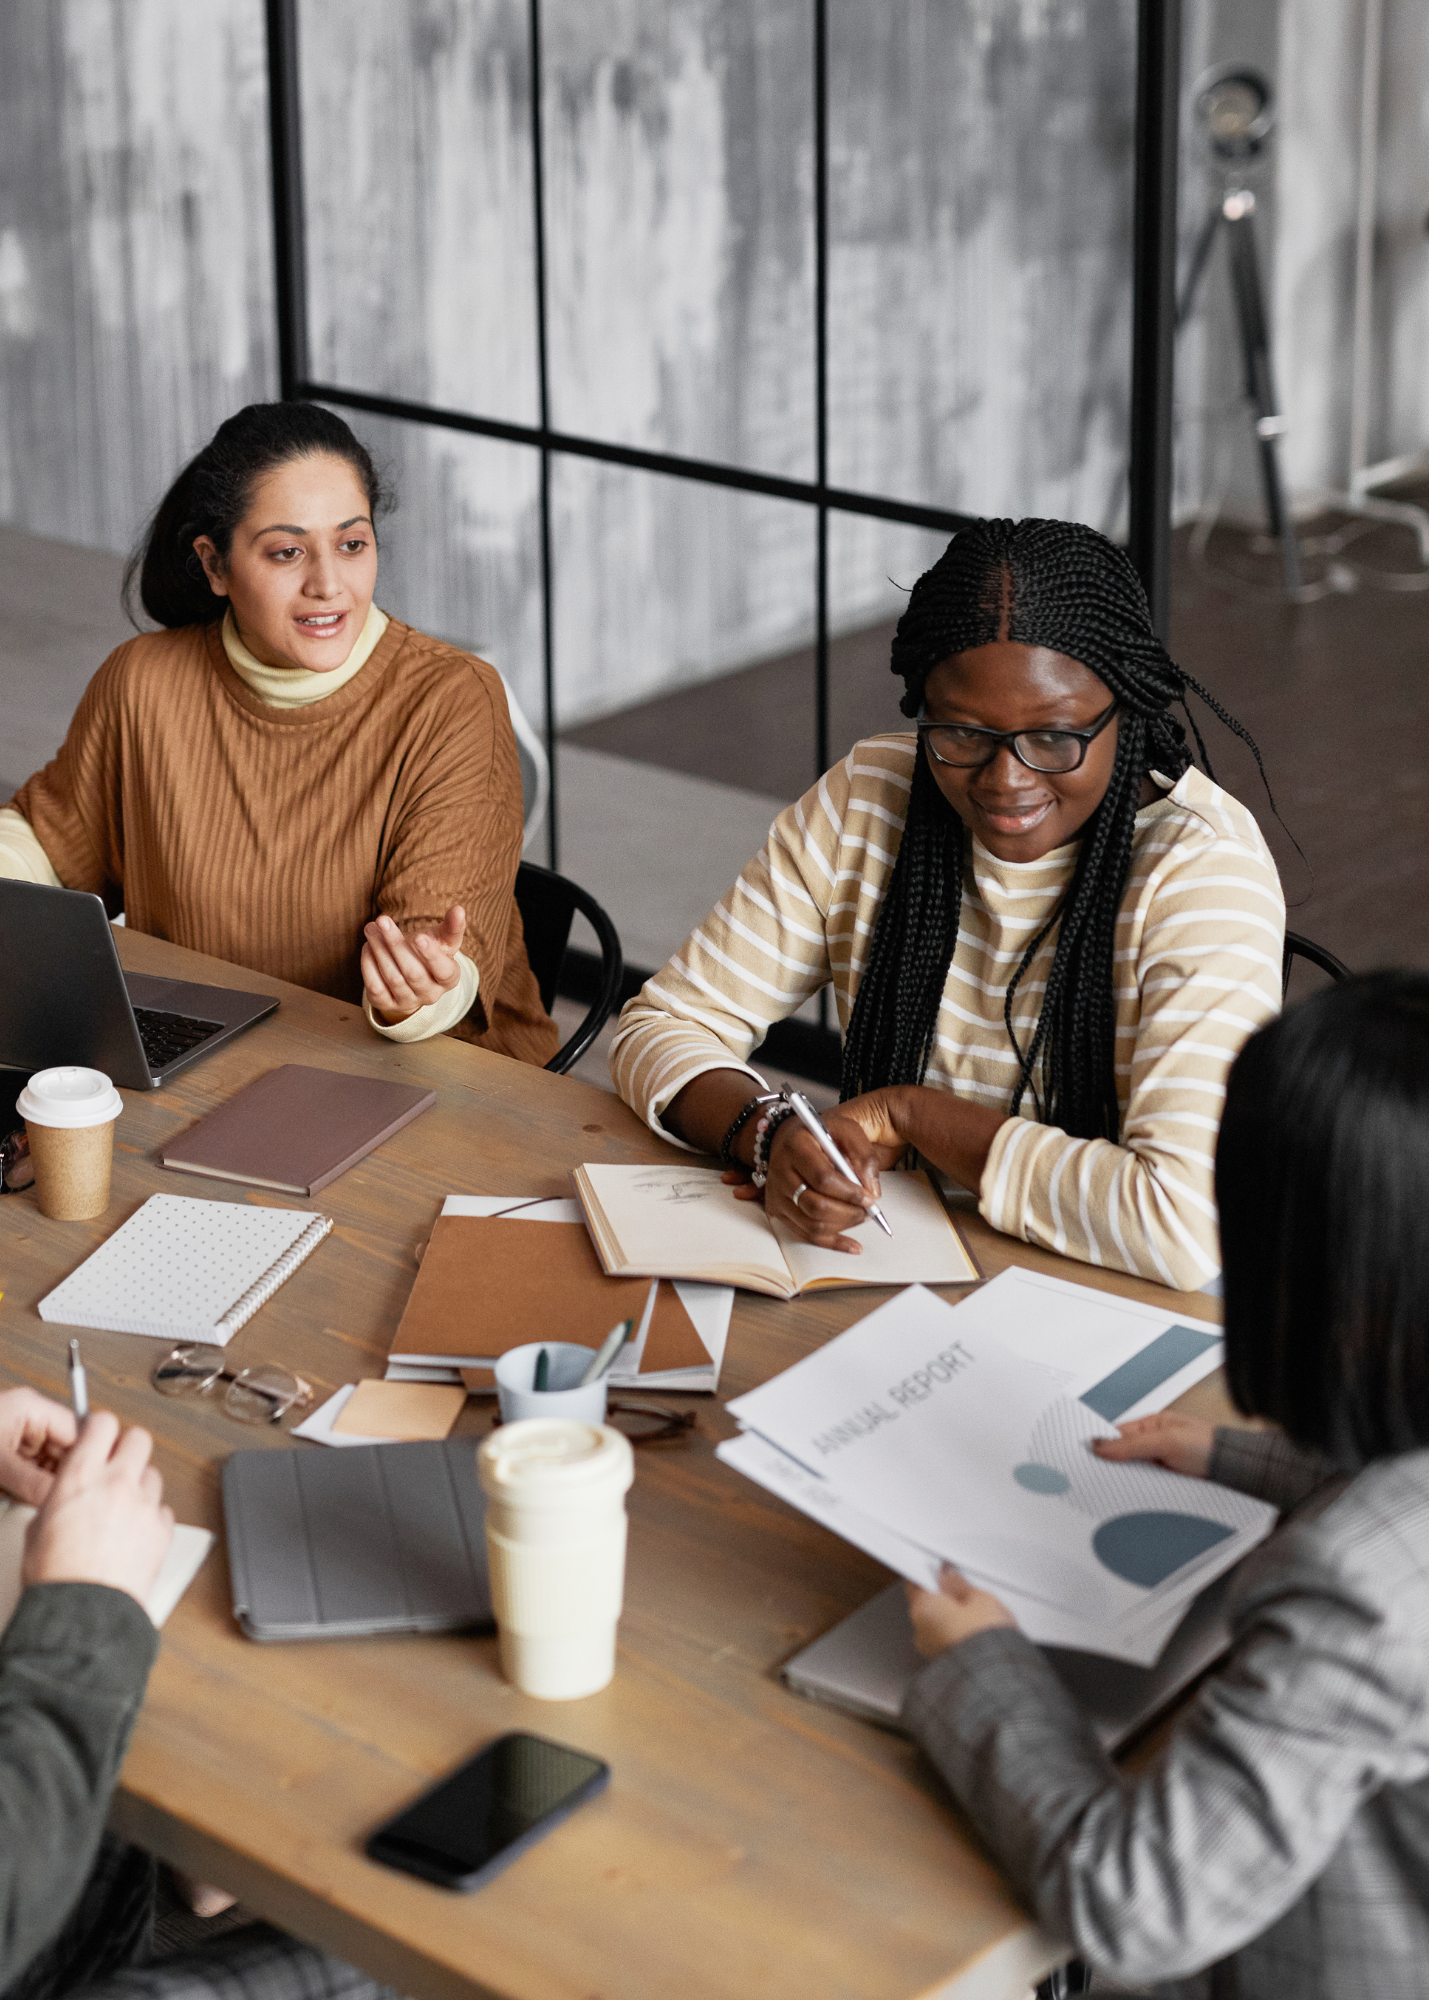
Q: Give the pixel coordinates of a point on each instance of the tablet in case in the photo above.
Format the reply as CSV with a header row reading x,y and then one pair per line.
x,y
349,1544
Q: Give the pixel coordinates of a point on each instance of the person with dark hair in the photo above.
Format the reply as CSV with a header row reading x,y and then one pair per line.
x,y
1278,1843
1046,932
282,775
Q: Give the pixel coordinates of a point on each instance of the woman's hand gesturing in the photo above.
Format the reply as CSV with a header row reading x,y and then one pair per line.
x,y
402,974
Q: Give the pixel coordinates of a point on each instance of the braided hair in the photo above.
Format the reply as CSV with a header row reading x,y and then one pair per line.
x,y
1063,586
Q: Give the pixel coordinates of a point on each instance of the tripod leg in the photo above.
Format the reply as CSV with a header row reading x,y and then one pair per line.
x,y
1260,388
1197,265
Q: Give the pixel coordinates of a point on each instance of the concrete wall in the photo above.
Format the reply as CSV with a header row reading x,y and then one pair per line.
x,y
979,283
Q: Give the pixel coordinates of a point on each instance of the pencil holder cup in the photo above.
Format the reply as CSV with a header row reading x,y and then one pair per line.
x,y
562,1397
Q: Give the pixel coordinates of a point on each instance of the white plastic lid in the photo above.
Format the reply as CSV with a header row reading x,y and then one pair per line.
x,y
69,1097
553,1457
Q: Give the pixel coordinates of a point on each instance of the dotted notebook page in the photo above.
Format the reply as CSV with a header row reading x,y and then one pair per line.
x,y
186,1269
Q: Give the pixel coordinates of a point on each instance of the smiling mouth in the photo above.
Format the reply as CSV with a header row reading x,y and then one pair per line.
x,y
1017,819
322,622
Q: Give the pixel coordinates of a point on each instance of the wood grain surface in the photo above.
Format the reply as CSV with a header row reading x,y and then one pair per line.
x,y
750,1843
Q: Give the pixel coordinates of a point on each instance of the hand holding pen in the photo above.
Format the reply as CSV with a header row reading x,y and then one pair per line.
x,y
824,1202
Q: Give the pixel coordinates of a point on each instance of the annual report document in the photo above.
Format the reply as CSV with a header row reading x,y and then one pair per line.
x,y
926,1419
684,1222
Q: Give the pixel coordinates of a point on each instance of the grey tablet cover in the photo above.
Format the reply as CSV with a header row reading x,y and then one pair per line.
x,y
864,1664
345,1544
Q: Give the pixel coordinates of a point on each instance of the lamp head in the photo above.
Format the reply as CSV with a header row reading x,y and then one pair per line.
x,y
1237,107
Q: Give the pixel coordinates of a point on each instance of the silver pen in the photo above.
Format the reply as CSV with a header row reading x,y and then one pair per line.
x,y
78,1386
814,1126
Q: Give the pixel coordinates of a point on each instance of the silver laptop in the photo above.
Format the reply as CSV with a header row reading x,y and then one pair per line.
x,y
866,1662
65,998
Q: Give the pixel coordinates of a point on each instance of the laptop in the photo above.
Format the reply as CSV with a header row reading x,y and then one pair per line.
x,y
865,1663
65,998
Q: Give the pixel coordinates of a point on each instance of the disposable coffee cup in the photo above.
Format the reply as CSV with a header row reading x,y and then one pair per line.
x,y
69,1116
555,1550
562,1396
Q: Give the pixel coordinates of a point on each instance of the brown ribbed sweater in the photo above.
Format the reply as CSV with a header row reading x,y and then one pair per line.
x,y
269,837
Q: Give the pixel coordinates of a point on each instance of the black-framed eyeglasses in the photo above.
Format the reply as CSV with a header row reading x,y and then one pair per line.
x,y
1053,750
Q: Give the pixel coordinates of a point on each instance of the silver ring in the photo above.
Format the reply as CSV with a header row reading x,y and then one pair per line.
x,y
800,1189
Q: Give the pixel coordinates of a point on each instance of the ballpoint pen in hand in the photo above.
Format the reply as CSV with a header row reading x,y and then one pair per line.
x,y
603,1359
78,1386
814,1126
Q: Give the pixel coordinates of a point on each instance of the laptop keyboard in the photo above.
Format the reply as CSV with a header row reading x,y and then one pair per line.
x,y
166,1037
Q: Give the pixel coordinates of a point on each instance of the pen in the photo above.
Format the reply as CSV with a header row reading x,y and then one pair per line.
x,y
543,1369
814,1126
78,1386
601,1361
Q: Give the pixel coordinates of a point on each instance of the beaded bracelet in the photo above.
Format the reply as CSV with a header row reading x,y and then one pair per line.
x,y
726,1144
764,1136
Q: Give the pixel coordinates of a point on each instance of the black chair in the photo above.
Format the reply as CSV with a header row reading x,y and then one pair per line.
x,y
548,904
1315,954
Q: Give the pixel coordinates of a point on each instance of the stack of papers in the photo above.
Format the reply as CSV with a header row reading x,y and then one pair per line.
x,y
931,1433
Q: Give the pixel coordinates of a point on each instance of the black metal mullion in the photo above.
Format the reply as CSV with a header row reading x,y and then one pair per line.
x,y
285,132
707,472
821,386
1153,327
548,631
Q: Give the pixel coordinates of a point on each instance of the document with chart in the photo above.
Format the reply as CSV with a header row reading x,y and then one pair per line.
x,y
965,1432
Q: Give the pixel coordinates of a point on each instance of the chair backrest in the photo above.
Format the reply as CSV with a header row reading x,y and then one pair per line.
x,y
535,768
1315,954
548,903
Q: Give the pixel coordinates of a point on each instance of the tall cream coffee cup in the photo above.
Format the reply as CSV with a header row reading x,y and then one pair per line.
x,y
69,1118
555,1547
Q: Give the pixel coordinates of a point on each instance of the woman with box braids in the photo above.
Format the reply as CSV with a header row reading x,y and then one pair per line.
x,y
1059,585
1047,933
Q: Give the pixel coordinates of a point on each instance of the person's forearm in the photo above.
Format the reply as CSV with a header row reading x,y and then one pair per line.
x,y
73,1664
704,1110
952,1134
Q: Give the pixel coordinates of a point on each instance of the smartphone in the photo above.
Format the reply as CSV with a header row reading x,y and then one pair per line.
x,y
468,1826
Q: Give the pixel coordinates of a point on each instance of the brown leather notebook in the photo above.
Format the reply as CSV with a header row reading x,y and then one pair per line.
x,y
487,1283
296,1128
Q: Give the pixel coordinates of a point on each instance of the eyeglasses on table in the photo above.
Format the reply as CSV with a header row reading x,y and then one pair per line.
x,y
261,1395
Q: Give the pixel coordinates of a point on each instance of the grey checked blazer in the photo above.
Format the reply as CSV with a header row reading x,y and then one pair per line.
x,y
1277,1848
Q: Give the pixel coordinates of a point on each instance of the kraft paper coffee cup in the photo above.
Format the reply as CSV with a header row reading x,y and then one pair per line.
x,y
69,1116
555,1548
562,1396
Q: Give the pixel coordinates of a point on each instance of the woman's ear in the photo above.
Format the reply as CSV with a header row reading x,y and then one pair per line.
x,y
207,554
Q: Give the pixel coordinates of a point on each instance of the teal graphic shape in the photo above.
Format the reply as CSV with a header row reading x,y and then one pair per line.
x,y
1041,1478
1157,1362
1147,1548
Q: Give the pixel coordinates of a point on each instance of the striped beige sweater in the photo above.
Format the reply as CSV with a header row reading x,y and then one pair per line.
x,y
1198,953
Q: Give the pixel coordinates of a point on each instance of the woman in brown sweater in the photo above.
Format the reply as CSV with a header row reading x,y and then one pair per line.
x,y
285,777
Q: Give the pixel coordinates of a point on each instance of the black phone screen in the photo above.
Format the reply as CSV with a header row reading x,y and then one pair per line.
x,y
487,1810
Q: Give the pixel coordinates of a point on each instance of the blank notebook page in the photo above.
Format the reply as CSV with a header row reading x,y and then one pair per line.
x,y
186,1269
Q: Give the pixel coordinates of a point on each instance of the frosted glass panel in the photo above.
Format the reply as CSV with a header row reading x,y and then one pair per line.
x,y
678,138
980,253
420,225
460,557
664,582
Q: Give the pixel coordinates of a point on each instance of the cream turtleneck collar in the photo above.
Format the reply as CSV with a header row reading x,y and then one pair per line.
x,y
296,687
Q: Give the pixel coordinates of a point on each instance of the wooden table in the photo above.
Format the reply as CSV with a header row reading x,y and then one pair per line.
x,y
750,1843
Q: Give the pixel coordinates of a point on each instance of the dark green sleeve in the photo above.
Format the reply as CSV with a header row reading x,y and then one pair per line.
x,y
74,1661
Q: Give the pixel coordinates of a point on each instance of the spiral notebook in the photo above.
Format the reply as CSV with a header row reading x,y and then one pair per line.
x,y
186,1269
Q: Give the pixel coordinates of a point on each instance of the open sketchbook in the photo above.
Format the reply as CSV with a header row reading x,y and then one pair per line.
x,y
684,1222
181,1565
501,1271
